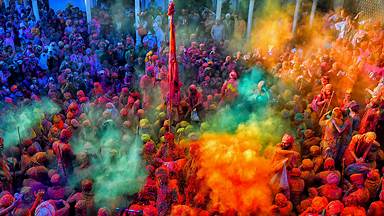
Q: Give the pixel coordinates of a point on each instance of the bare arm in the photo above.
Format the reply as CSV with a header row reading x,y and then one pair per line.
x,y
323,120
352,146
339,129
39,197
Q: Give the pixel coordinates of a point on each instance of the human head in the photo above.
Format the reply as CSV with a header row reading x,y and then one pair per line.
x,y
281,200
370,137
287,141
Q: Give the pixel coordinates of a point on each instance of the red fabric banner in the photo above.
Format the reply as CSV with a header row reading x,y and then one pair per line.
x,y
173,71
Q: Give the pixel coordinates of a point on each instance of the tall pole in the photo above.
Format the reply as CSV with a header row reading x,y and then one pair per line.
x,y
35,8
219,4
250,17
88,11
137,21
6,3
173,71
296,15
313,11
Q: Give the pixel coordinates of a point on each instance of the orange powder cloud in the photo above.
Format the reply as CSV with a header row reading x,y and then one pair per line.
x,y
235,169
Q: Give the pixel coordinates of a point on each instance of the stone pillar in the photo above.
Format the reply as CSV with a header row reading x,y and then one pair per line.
x,y
250,17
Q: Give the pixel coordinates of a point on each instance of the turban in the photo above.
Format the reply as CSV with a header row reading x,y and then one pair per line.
x,y
357,178
140,112
332,178
307,164
55,179
27,142
144,123
83,99
166,123
149,147
296,172
109,105
314,149
107,114
180,131
103,212
373,174
75,123
13,88
161,115
67,95
288,139
329,163
86,123
123,112
41,157
233,75
145,137
328,87
299,117
124,90
308,133
280,199
335,207
192,87
8,100
65,134
70,115
80,94
6,200
184,124
32,150
169,137
127,124
370,135
319,203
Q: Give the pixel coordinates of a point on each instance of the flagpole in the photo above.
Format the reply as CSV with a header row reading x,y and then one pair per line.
x,y
172,63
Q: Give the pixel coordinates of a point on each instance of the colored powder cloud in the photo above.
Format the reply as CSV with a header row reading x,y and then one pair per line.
x,y
233,161
117,168
23,119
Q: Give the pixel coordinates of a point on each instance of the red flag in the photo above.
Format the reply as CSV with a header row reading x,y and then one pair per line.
x,y
173,71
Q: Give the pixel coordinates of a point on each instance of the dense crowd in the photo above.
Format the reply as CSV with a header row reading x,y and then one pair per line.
x,y
113,75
